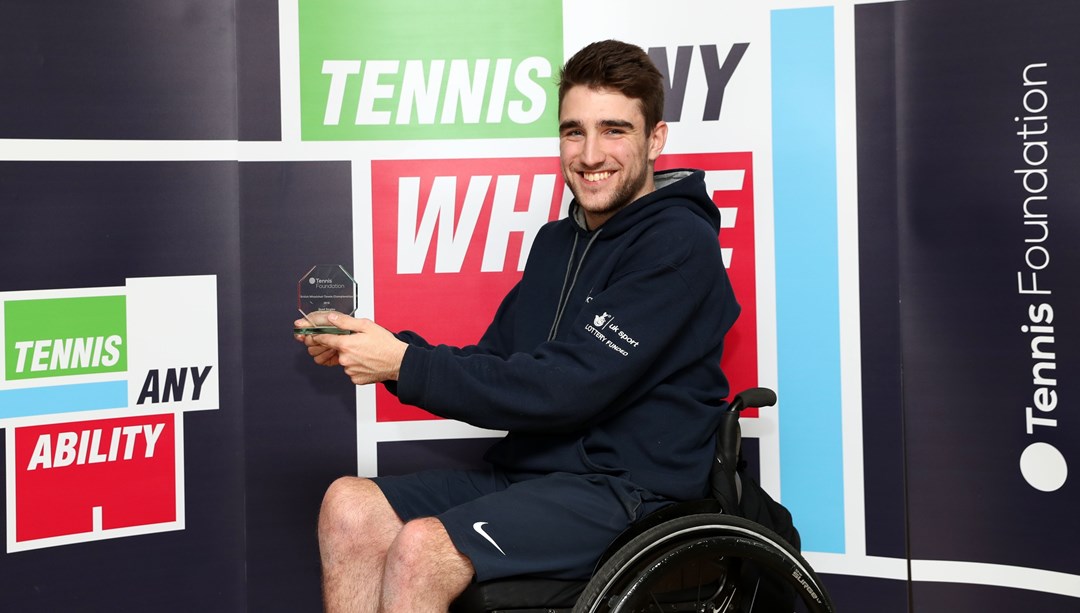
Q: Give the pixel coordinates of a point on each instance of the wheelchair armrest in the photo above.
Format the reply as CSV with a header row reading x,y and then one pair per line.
x,y
729,434
724,477
755,397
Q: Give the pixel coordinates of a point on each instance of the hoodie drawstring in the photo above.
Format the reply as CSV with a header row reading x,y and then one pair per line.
x,y
564,296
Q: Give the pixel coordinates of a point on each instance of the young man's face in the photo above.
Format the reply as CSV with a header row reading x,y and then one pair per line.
x,y
607,159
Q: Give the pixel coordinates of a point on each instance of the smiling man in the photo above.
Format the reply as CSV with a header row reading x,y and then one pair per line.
x,y
606,150
602,364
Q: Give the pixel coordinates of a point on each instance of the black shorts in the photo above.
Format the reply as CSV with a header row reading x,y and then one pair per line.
x,y
552,526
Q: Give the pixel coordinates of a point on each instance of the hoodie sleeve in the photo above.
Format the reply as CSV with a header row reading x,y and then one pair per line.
x,y
633,334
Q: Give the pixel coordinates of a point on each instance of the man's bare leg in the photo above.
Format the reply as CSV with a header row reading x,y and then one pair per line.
x,y
424,571
356,528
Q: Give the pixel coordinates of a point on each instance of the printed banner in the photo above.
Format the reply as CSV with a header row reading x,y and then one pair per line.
x,y
895,179
87,375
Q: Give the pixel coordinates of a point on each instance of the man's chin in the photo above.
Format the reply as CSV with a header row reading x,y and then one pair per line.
x,y
600,202
595,206
605,210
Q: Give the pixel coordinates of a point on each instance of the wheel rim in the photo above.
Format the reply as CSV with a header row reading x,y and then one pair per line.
x,y
693,576
733,561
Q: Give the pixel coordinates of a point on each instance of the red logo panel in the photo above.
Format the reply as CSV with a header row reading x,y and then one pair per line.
x,y
80,477
449,238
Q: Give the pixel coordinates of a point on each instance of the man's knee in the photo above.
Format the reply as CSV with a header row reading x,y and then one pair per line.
x,y
355,508
423,547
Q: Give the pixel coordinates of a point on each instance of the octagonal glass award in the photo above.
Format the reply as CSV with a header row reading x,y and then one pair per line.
x,y
322,290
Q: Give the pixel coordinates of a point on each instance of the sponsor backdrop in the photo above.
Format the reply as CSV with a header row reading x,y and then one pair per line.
x,y
897,182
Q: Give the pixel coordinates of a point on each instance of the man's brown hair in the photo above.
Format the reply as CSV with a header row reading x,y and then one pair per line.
x,y
619,66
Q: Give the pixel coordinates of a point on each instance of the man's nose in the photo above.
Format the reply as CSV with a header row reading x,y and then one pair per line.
x,y
592,153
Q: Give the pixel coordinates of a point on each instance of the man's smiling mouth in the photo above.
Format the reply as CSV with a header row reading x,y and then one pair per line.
x,y
596,176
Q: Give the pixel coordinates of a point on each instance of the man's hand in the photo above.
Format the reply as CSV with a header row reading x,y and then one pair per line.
x,y
369,355
323,355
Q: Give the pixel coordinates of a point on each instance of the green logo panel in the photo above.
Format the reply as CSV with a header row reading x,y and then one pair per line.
x,y
415,69
65,336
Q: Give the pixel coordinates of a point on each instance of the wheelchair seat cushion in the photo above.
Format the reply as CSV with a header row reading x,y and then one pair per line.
x,y
519,594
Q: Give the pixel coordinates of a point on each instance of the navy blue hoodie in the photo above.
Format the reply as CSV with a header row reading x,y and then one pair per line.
x,y
605,357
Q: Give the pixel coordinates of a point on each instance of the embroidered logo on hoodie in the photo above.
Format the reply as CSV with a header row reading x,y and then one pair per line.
x,y
601,321
605,322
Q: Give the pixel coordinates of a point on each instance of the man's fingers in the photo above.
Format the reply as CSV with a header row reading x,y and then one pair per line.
x,y
345,322
328,341
315,318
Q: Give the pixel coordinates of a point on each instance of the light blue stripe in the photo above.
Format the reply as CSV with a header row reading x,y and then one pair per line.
x,y
807,281
63,399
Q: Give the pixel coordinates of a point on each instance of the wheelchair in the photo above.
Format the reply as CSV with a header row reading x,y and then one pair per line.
x,y
724,554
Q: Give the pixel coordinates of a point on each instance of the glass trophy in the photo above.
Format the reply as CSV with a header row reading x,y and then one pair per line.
x,y
322,290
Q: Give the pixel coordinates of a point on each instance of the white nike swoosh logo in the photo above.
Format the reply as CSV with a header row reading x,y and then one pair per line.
x,y
479,527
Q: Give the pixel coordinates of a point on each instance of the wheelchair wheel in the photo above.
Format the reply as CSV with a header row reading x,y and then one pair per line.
x,y
705,563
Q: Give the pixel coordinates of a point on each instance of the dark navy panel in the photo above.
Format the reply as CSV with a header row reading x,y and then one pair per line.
x,y
850,593
879,279
968,365
257,58
94,224
299,418
403,457
928,596
118,69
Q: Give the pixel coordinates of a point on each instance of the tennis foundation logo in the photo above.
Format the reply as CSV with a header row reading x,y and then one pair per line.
x,y
94,386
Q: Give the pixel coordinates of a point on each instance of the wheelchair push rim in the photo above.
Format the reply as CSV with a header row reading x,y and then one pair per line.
x,y
708,563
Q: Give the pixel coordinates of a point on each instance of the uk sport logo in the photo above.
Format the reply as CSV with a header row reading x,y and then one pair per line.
x,y
92,396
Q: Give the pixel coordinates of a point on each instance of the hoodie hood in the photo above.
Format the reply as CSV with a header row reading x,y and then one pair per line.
x,y
674,188
677,188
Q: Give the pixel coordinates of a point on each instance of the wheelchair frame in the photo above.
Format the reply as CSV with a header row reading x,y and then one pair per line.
x,y
646,568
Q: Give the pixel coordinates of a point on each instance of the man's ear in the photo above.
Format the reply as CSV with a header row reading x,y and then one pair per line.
x,y
657,140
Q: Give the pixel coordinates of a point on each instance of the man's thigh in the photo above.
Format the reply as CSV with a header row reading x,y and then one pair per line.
x,y
432,492
553,526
